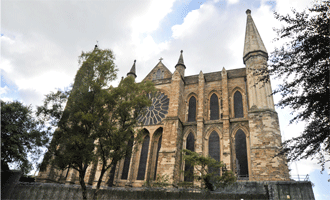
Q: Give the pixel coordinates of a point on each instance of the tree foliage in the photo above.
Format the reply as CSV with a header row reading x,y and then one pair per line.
x,y
205,170
22,136
118,127
99,121
303,64
73,142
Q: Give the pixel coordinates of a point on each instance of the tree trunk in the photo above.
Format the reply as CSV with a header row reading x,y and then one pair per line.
x,y
82,183
99,183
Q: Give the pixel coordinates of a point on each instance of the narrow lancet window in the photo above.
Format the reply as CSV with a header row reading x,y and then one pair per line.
x,y
158,148
189,169
192,109
214,150
127,160
143,158
241,155
238,105
214,107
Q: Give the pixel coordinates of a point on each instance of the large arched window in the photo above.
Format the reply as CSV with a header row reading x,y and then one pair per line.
x,y
158,148
192,109
143,158
238,105
127,160
214,150
241,155
189,169
214,107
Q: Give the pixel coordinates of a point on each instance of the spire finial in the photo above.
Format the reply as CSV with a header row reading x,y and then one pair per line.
x,y
160,59
132,71
180,61
253,42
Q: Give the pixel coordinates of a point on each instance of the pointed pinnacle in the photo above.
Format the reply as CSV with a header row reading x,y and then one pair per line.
x,y
253,41
180,61
132,71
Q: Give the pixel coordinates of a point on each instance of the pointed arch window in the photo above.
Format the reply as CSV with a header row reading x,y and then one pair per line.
x,y
214,150
192,109
214,107
241,155
127,160
143,158
189,169
238,105
158,148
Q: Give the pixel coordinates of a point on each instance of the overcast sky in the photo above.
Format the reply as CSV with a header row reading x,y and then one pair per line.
x,y
41,42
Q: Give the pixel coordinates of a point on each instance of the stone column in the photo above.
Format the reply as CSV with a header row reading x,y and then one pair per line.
x,y
225,119
200,114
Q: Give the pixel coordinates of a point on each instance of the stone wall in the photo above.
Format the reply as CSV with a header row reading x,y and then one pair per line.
x,y
240,190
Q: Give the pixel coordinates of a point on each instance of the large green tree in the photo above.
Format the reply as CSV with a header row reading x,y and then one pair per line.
x,y
302,63
22,136
73,141
99,121
119,125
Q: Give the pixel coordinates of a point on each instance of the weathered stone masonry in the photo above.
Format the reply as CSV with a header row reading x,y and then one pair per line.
x,y
245,123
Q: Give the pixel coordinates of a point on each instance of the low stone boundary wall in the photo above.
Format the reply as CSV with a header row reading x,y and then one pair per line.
x,y
240,190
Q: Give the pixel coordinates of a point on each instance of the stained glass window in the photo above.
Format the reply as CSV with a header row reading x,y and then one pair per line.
x,y
158,148
189,169
192,109
214,107
112,176
238,105
241,154
127,160
214,150
143,158
157,111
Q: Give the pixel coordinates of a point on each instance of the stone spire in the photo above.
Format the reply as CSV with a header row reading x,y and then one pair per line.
x,y
132,71
180,61
180,65
253,43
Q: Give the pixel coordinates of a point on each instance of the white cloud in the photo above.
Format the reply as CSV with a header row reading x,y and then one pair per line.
x,y
285,7
4,90
232,1
6,99
150,19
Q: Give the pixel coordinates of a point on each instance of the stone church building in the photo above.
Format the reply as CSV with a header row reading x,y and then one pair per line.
x,y
226,114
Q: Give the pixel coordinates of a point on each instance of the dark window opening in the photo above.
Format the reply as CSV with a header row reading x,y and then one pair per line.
x,y
189,169
127,160
214,107
238,105
158,148
241,155
192,109
143,158
214,150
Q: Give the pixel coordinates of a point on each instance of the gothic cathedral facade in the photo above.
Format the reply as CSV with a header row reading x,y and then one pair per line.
x,y
227,115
